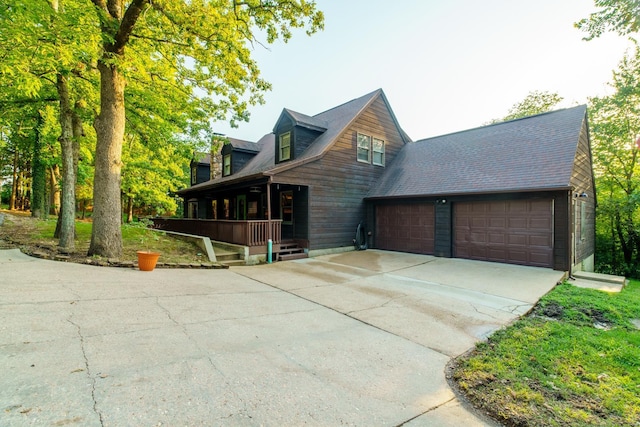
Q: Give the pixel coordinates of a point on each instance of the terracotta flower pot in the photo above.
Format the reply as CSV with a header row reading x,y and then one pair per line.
x,y
147,260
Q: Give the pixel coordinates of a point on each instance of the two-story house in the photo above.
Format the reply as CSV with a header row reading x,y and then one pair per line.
x,y
517,192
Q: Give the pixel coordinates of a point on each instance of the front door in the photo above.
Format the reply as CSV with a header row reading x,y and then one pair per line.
x,y
241,208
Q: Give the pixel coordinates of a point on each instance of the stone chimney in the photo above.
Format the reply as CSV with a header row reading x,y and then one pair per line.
x,y
215,165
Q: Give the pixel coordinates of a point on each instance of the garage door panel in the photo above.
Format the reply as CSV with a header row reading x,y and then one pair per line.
x,y
517,223
412,229
496,238
511,231
540,241
497,222
540,224
516,240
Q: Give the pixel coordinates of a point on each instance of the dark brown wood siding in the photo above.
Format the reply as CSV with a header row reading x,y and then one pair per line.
x,y
444,233
301,139
561,232
338,183
584,200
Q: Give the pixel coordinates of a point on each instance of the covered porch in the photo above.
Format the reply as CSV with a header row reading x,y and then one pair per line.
x,y
253,234
246,213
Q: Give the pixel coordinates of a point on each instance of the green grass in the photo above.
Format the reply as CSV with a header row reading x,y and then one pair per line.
x,y
575,361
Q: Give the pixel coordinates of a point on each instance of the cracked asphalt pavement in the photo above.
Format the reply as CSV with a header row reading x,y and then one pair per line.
x,y
358,338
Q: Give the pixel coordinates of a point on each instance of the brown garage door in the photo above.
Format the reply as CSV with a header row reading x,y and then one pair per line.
x,y
510,231
405,227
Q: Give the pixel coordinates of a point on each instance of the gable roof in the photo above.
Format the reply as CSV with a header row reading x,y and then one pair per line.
x,y
527,154
303,120
337,120
240,144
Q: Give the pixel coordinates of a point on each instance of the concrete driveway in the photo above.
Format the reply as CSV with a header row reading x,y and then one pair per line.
x,y
360,338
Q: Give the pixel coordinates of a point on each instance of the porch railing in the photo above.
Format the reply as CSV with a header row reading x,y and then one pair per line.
x,y
246,233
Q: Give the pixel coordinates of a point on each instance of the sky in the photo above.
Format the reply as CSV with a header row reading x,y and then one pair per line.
x,y
444,65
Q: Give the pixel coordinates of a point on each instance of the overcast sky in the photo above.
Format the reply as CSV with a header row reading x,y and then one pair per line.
x,y
445,65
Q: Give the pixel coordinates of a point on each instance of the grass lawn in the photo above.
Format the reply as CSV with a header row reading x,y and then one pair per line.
x,y
574,361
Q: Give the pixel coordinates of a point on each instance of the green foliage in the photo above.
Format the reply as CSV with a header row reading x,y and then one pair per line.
x,y
152,172
535,102
615,129
620,16
575,362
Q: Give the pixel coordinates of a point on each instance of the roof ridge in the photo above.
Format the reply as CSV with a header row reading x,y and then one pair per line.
x,y
370,95
504,122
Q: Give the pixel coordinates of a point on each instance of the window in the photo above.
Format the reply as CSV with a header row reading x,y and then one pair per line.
x,y
194,175
285,147
364,148
226,165
225,209
286,207
214,209
378,152
370,150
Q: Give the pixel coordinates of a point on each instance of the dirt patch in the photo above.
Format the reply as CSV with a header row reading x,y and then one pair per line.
x,y
551,310
18,230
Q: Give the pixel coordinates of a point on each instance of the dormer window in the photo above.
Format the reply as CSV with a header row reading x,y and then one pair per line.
x,y
284,152
226,165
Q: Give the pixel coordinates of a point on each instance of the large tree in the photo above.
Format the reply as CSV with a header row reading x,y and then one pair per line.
x,y
42,54
207,46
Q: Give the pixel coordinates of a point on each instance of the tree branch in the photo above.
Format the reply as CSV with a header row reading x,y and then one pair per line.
x,y
153,39
127,24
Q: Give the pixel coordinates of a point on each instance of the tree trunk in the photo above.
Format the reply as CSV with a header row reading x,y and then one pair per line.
x,y
624,244
38,171
54,195
68,208
129,209
14,183
106,235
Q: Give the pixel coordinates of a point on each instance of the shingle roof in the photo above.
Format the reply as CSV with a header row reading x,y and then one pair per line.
x,y
531,153
303,120
336,120
244,145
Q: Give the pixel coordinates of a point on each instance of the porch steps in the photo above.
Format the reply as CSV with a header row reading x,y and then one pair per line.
x,y
289,251
228,257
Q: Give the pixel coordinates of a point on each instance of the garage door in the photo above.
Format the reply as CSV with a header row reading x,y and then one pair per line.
x,y
405,227
514,232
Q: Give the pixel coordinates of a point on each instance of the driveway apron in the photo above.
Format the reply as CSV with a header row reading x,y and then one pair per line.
x,y
359,338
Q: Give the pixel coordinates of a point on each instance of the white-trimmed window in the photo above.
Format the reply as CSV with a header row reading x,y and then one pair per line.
x,y
364,148
284,152
226,165
378,152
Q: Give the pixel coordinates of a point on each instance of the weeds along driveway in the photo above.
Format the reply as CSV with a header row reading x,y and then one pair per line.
x,y
326,341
